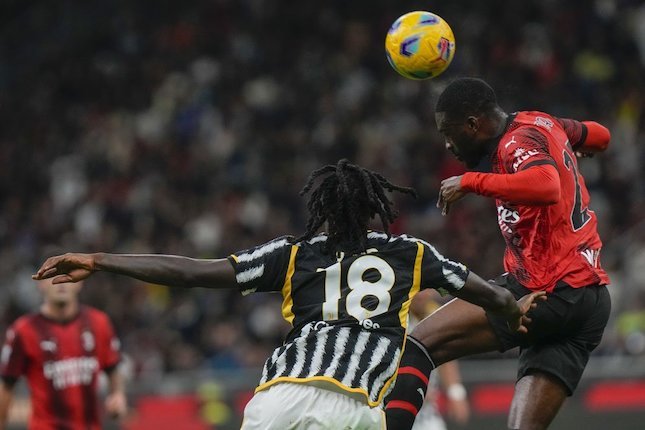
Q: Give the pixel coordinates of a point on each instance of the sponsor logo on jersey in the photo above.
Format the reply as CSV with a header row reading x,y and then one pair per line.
x,y
421,393
521,155
591,255
369,324
71,372
510,142
540,121
506,218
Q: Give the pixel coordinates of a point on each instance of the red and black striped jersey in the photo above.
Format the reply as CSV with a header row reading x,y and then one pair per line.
x,y
61,361
549,243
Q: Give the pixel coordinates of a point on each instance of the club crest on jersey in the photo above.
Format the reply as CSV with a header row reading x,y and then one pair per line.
x,y
540,121
87,338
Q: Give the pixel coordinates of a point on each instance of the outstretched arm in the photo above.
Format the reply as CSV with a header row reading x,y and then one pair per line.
x,y
171,270
517,188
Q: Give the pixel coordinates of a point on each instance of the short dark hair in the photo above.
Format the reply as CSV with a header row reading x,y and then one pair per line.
x,y
347,198
466,96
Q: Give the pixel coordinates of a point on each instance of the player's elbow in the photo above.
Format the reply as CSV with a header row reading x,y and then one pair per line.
x,y
552,194
598,137
552,186
549,191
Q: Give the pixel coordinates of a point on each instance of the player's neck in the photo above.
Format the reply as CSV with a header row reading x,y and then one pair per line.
x,y
497,125
499,122
60,311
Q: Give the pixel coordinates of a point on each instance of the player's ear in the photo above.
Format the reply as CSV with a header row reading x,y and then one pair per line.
x,y
472,122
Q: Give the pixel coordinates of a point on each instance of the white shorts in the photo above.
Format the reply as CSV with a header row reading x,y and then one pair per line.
x,y
291,406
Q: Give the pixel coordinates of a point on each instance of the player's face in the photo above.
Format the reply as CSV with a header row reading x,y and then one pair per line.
x,y
59,294
460,138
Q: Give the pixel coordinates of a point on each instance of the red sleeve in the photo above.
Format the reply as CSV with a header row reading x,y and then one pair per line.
x,y
109,349
598,137
586,135
13,359
537,185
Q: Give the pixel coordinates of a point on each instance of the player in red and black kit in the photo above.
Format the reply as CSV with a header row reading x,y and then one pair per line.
x,y
60,351
552,245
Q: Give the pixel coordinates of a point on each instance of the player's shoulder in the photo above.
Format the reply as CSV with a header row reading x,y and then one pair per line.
x,y
263,249
533,124
25,321
380,240
22,324
535,118
527,129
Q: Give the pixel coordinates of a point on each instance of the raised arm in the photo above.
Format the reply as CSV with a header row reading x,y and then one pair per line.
x,y
171,270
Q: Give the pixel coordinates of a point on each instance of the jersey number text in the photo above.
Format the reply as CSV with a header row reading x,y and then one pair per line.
x,y
359,288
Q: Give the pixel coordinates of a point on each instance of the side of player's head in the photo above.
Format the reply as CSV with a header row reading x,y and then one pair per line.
x,y
466,96
347,198
463,115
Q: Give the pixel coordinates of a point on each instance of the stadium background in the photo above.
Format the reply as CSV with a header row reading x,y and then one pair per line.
x,y
189,127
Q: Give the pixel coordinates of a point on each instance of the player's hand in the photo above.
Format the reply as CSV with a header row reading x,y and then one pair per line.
x,y
66,268
459,411
525,304
116,405
449,193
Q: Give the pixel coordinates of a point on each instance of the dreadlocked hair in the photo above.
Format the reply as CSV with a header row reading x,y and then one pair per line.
x,y
347,198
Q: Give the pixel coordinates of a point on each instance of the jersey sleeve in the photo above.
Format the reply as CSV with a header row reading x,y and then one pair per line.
x,y
442,274
264,267
575,130
109,349
13,358
525,148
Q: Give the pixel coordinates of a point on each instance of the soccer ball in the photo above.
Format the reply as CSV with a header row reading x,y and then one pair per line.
x,y
420,45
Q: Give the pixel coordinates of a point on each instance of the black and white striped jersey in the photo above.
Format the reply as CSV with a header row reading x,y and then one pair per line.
x,y
349,312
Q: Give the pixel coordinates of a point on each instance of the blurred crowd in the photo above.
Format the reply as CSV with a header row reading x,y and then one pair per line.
x,y
189,128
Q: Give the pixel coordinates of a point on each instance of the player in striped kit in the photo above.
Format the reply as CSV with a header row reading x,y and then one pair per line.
x,y
346,293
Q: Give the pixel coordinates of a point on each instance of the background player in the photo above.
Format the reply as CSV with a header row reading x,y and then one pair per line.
x,y
61,350
552,245
346,294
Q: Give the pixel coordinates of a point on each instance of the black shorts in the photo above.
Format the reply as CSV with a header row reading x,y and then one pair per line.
x,y
564,330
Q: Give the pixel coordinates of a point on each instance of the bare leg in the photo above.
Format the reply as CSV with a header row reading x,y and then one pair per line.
x,y
456,329
538,398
